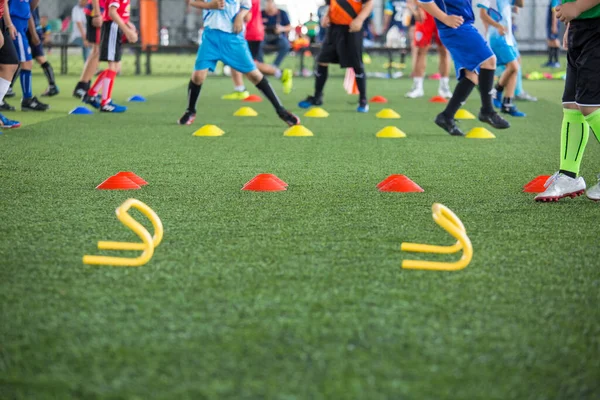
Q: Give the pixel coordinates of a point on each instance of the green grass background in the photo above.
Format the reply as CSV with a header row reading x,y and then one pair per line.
x,y
298,294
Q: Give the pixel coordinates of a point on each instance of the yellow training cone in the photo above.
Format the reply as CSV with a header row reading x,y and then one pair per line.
x,y
388,113
480,133
391,132
316,112
463,114
245,112
298,131
209,130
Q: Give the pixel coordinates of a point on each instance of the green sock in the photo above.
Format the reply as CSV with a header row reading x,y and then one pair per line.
x,y
574,136
593,121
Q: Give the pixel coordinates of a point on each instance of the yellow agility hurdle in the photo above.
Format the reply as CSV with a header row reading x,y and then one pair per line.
x,y
445,218
148,242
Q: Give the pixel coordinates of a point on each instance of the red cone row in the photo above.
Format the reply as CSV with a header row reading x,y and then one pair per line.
x,y
400,184
536,185
265,183
124,180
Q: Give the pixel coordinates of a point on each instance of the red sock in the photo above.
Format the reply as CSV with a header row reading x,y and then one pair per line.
x,y
95,88
107,87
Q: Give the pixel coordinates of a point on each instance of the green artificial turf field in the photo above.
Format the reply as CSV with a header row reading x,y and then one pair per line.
x,y
296,294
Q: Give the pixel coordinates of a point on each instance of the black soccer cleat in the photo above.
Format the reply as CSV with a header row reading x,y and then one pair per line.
x,y
51,91
495,120
10,93
187,118
33,104
288,117
6,107
311,101
448,124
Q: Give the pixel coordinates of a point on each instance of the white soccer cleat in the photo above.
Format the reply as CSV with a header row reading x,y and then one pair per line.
x,y
415,93
593,193
559,186
445,92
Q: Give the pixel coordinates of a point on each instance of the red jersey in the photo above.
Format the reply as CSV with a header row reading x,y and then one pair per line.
x,y
1,9
89,8
123,9
255,30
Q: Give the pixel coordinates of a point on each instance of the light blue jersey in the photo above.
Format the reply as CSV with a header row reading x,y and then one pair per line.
x,y
504,7
222,20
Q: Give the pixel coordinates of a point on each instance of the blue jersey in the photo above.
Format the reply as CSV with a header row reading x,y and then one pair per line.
x,y
463,8
396,9
19,9
222,20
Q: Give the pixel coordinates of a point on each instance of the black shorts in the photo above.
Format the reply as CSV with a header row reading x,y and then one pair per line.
x,y
92,34
582,84
8,53
111,42
36,51
342,47
256,49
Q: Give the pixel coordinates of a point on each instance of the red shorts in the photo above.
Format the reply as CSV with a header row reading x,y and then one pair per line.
x,y
426,32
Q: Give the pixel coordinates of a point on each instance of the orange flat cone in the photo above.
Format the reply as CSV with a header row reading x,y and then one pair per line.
x,y
264,184
253,99
272,176
401,184
118,183
135,178
438,99
388,180
378,99
536,185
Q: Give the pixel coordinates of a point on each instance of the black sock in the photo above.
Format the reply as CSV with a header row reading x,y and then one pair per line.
x,y
361,83
265,87
321,75
14,79
49,72
460,95
568,173
499,87
555,53
193,94
550,54
486,83
507,102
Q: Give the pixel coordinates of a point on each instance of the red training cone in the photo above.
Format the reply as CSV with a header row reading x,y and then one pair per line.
x,y
135,178
536,185
253,99
388,180
438,99
436,77
265,183
401,184
379,99
118,183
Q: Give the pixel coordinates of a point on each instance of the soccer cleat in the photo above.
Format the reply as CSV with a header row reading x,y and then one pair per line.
x,y
415,93
187,118
8,123
559,186
363,107
513,111
497,98
449,125
287,79
4,106
51,91
79,93
33,104
236,95
288,117
10,92
113,108
93,101
593,193
310,101
494,119
524,96
445,91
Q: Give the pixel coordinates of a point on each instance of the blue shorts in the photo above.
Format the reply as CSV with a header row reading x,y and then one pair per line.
x,y
467,47
505,53
229,48
21,42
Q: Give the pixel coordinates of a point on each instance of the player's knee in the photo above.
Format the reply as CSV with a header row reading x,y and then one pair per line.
x,y
472,76
512,67
255,76
570,106
490,63
198,77
586,110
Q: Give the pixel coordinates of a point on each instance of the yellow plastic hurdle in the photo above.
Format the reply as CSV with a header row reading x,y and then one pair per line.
x,y
147,246
445,218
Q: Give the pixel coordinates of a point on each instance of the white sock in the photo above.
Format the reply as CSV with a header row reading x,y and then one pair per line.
x,y
4,85
278,73
239,88
444,81
418,82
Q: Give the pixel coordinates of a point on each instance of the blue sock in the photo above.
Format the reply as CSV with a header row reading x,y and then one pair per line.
x,y
25,76
519,87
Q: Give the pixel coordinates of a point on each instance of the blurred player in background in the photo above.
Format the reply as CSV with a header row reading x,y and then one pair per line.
x,y
94,11
223,40
552,35
398,25
9,62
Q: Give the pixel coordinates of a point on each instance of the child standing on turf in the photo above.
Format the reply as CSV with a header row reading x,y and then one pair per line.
x,y
223,40
552,35
474,61
581,98
505,48
116,24
8,63
18,24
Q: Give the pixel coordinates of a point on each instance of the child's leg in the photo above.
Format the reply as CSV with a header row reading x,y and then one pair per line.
x,y
108,82
508,81
258,79
48,70
238,81
486,84
361,83
194,88
574,137
462,91
25,77
321,75
98,84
